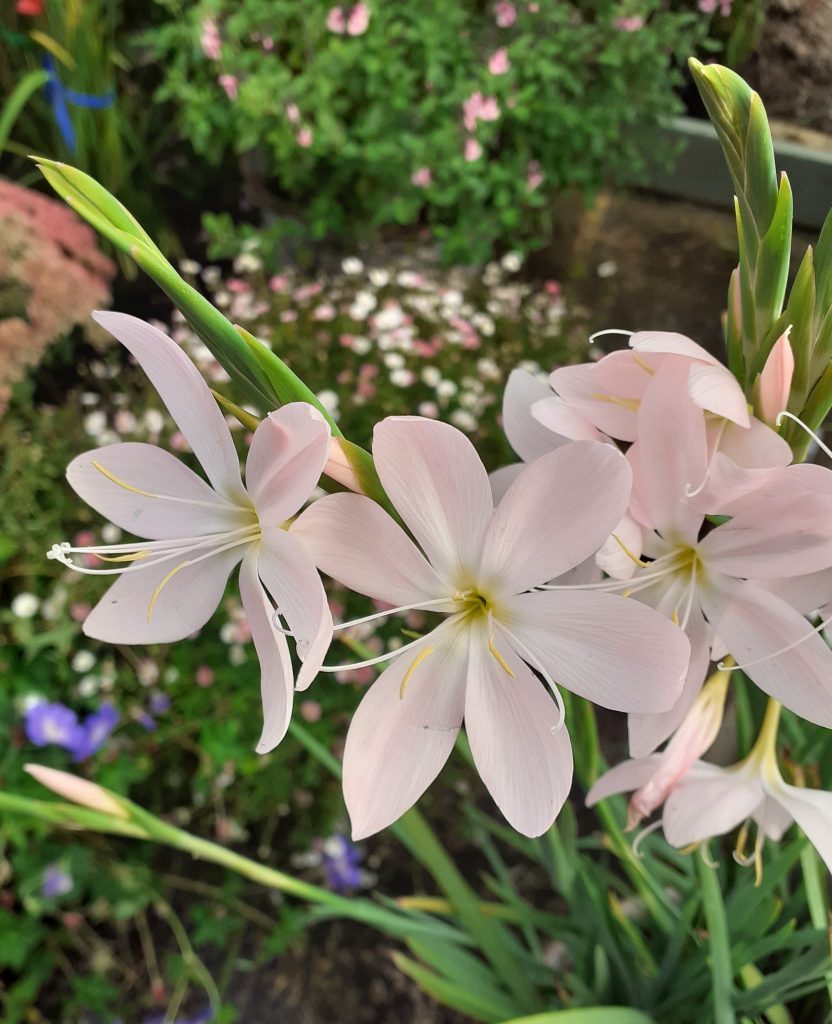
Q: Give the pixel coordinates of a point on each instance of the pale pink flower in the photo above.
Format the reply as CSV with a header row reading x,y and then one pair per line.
x,y
210,40
608,394
534,175
473,150
169,585
230,84
204,676
292,113
710,800
629,23
305,137
505,14
498,63
776,379
78,790
335,21
421,177
358,20
479,566
268,43
479,108
691,740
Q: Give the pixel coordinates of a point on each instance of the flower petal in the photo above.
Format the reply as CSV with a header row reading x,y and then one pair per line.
x,y
775,381
672,452
646,732
812,810
755,446
180,606
715,389
353,540
755,624
614,651
578,387
397,744
276,676
524,762
186,395
624,778
501,479
709,801
564,421
287,456
439,486
558,512
526,435
145,490
290,576
672,344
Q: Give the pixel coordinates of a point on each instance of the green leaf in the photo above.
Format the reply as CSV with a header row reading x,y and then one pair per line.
x,y
456,996
590,1015
465,971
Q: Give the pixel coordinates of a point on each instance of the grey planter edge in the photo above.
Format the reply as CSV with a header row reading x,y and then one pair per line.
x,y
700,174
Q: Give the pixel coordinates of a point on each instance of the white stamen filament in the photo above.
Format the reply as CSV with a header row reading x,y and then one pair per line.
x,y
381,658
639,839
166,551
395,611
776,654
609,330
614,585
790,416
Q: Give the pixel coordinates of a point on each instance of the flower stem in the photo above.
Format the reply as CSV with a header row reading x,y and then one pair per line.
x,y
722,974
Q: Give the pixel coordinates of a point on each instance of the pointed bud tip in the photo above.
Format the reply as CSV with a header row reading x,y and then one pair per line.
x,y
78,790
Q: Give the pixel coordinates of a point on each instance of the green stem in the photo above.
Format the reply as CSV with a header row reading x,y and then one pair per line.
x,y
20,96
816,897
722,973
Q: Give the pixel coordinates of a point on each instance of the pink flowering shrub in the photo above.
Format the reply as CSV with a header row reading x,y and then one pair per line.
x,y
369,114
52,276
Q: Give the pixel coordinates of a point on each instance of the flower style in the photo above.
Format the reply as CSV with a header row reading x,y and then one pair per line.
x,y
710,800
480,567
169,585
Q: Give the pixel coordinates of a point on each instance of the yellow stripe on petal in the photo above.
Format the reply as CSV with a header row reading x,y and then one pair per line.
x,y
417,661
122,483
165,581
501,661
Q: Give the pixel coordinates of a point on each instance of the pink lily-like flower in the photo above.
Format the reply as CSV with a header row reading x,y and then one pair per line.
x,y
606,396
710,800
717,586
169,585
479,567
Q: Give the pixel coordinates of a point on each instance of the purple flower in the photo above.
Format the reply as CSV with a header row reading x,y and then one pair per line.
x,y
47,724
340,859
159,703
203,1017
93,733
146,721
56,882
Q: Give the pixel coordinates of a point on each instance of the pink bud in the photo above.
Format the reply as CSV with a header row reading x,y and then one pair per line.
x,y
776,378
473,150
78,790
339,467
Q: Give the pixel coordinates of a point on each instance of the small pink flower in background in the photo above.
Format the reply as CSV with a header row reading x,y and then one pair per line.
x,y
473,150
629,23
238,285
79,610
268,43
325,312
710,6
204,676
210,39
479,108
552,288
499,63
230,84
30,8
288,316
305,137
292,113
358,20
421,177
776,379
280,283
533,8
505,14
534,175
336,22
311,711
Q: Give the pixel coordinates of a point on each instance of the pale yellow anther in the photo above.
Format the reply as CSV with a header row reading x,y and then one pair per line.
x,y
417,661
158,590
136,556
629,553
122,483
501,661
